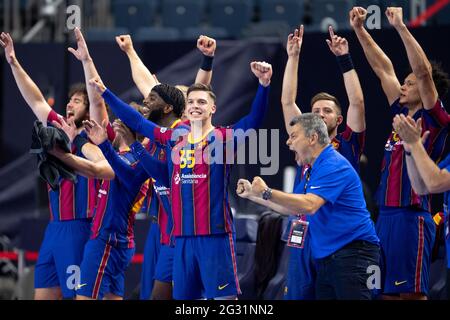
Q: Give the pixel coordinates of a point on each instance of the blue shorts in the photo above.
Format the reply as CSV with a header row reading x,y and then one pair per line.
x,y
406,238
164,267
103,269
151,253
60,256
301,275
205,267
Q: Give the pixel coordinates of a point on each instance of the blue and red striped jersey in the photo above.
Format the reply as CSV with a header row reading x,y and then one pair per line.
x,y
119,199
160,205
72,200
395,188
199,189
445,164
350,144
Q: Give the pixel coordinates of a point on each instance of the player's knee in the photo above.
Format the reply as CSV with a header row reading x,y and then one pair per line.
x,y
161,291
78,297
413,296
111,296
48,293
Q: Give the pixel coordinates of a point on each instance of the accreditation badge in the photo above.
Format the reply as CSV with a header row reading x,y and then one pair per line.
x,y
297,235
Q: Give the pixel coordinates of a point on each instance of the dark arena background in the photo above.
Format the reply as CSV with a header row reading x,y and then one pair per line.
x,y
164,34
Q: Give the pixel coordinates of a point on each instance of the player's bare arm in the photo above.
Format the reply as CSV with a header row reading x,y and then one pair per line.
x,y
96,168
29,90
378,60
97,107
290,81
426,177
84,167
355,114
89,150
142,77
420,65
207,47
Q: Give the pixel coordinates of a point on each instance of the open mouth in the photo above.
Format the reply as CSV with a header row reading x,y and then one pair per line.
x,y
70,113
195,113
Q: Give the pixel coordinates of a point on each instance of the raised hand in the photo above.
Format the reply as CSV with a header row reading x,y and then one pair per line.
x,y
68,127
206,45
337,45
294,42
82,52
357,17
258,186
244,188
263,71
96,133
7,43
98,85
128,137
395,16
125,43
409,130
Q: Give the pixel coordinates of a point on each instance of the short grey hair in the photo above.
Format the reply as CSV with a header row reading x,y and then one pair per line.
x,y
312,123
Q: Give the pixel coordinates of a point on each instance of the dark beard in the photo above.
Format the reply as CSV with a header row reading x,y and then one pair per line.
x,y
79,122
156,115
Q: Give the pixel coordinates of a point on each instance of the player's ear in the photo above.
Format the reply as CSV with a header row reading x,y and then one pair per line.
x,y
168,108
213,109
313,138
340,119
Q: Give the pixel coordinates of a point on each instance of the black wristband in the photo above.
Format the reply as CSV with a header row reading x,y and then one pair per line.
x,y
79,142
207,63
408,153
345,62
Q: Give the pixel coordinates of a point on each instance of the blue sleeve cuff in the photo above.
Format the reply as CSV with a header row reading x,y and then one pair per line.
x,y
105,146
106,94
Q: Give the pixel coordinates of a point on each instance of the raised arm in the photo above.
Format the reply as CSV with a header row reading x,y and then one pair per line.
x,y
418,61
289,91
97,107
263,71
378,60
207,47
132,118
142,77
356,114
29,90
426,177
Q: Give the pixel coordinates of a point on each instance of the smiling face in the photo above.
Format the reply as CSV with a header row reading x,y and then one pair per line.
x,y
409,92
329,113
154,106
77,108
200,106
